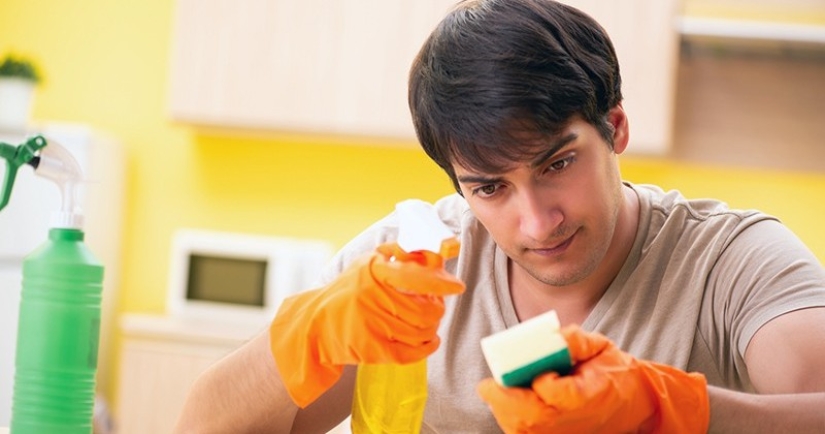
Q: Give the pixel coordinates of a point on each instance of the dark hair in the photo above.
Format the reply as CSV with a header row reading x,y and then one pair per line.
x,y
495,76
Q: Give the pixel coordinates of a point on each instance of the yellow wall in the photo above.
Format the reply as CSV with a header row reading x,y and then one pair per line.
x,y
106,63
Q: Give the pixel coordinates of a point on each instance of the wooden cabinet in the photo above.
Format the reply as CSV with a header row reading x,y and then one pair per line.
x,y
341,67
161,357
310,65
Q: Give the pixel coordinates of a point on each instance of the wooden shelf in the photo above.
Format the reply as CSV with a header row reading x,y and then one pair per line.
x,y
751,30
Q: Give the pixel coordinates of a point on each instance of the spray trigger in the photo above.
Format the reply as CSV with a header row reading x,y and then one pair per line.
x,y
16,156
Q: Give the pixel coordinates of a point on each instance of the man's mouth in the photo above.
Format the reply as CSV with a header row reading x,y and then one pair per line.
x,y
555,249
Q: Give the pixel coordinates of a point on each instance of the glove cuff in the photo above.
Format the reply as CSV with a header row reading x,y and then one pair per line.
x,y
295,350
683,401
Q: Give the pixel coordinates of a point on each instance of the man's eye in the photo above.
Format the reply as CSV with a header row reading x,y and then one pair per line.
x,y
485,190
559,165
562,164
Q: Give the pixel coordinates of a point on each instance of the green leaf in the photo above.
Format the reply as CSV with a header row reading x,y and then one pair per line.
x,y
19,67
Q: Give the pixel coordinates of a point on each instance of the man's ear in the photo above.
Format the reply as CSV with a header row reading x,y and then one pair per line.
x,y
621,131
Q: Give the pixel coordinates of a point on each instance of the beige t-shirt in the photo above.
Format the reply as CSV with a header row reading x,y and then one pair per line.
x,y
698,283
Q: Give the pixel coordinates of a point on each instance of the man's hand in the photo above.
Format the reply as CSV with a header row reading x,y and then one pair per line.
x,y
385,308
609,391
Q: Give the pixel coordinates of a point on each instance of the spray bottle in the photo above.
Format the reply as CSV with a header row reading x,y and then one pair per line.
x,y
59,321
391,398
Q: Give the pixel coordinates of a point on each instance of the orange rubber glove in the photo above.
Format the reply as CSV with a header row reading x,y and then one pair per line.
x,y
609,391
385,308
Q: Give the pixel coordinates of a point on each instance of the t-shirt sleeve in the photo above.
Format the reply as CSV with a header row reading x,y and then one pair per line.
x,y
765,271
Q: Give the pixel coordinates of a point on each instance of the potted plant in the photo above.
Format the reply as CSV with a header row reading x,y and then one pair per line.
x,y
18,79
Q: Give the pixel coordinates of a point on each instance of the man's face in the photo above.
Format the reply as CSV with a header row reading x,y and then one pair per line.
x,y
555,215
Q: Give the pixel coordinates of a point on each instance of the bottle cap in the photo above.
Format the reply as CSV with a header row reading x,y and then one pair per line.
x,y
69,220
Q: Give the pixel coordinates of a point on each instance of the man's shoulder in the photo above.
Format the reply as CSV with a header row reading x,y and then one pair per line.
x,y
453,211
703,227
663,205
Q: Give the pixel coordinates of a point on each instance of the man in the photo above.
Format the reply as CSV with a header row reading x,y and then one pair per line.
x,y
715,317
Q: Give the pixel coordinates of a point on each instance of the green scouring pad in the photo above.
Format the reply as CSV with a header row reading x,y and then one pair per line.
x,y
517,355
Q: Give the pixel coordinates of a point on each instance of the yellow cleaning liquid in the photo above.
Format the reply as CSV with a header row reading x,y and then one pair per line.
x,y
389,398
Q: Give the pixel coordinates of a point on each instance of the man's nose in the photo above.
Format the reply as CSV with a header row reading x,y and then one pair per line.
x,y
539,215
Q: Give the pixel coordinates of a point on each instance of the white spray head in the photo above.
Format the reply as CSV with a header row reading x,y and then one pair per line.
x,y
58,164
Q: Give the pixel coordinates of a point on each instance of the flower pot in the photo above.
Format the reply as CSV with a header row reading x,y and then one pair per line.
x,y
16,97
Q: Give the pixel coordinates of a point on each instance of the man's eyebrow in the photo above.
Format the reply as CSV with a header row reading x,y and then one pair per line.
x,y
555,147
478,179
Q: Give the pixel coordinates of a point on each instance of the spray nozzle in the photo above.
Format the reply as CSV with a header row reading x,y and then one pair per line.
x,y
52,162
58,165
16,156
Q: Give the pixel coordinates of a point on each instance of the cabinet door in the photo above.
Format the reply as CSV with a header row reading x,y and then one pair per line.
x,y
155,379
309,65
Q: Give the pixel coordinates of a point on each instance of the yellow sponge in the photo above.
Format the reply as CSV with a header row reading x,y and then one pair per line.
x,y
517,355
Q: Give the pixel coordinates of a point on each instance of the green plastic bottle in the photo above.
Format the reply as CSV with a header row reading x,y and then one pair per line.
x,y
60,303
57,337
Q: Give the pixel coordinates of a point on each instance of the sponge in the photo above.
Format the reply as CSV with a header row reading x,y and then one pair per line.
x,y
517,355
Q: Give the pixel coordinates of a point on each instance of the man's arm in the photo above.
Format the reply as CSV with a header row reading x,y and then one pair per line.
x,y
243,393
785,364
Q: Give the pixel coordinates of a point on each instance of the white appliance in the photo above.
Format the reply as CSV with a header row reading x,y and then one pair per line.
x,y
24,225
236,277
224,288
